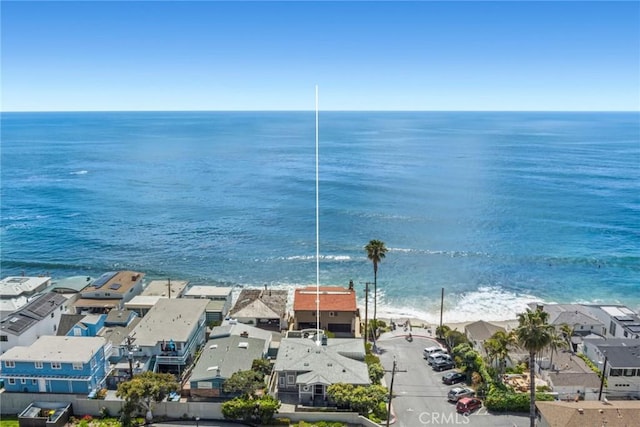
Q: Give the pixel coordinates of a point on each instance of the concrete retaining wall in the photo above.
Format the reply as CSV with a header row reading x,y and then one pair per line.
x,y
14,403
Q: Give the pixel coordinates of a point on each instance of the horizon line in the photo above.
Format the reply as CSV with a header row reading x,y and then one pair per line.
x,y
312,110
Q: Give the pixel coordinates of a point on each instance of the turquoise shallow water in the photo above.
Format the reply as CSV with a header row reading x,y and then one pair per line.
x,y
497,208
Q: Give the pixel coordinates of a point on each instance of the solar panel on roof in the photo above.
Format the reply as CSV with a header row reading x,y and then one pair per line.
x,y
100,281
623,318
115,286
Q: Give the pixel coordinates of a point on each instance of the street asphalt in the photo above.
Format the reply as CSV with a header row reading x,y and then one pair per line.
x,y
420,397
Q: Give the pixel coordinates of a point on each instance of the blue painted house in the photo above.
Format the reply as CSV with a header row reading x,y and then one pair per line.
x,y
56,364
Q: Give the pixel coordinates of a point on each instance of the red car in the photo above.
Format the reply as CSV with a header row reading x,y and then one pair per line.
x,y
466,405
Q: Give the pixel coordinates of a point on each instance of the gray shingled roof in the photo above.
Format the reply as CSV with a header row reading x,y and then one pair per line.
x,y
68,321
482,330
621,353
228,356
323,363
270,303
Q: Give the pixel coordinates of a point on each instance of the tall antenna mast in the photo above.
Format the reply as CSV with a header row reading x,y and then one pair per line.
x,y
317,234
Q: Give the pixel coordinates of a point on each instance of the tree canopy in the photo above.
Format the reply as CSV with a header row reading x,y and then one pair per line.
x,y
143,389
243,382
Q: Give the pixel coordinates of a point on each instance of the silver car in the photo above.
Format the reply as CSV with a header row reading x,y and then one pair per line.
x,y
458,393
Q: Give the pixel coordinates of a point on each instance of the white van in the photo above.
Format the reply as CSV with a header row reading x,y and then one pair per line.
x,y
430,350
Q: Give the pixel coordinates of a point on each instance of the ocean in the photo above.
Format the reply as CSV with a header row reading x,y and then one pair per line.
x,y
500,209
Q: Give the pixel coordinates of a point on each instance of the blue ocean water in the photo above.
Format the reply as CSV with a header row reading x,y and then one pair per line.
x,y
500,209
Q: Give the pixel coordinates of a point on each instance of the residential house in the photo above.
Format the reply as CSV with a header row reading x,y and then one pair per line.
x,y
571,378
263,308
588,413
619,320
172,331
338,311
305,369
577,316
15,292
39,317
89,325
220,359
141,304
55,364
111,290
479,332
622,357
165,288
220,298
232,327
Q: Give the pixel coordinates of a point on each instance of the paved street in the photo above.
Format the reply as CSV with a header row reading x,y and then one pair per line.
x,y
420,396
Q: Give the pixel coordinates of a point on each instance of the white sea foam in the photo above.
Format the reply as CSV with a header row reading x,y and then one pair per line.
x,y
80,172
322,257
490,303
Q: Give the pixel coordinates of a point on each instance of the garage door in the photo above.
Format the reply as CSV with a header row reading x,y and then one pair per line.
x,y
339,327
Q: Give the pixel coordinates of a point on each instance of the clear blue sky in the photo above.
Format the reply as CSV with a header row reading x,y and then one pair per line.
x,y
363,55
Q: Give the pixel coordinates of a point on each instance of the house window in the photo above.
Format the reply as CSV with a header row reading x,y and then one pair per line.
x,y
612,328
9,364
93,363
4,338
38,365
55,327
52,314
23,380
333,313
629,372
12,381
77,332
56,365
77,366
281,381
291,379
34,381
615,372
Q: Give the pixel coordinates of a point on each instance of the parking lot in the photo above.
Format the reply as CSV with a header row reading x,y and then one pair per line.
x,y
420,397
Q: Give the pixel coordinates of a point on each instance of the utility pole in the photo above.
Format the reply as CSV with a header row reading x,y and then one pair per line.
x,y
441,307
604,372
366,311
393,375
130,340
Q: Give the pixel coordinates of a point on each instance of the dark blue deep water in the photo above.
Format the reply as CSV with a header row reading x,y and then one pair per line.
x,y
498,208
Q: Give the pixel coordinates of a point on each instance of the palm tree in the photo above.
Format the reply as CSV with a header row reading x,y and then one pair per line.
x,y
567,332
498,347
557,342
534,334
376,251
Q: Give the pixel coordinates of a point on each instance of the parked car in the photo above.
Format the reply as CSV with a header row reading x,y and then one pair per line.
x,y
430,350
466,405
458,393
443,365
437,356
453,378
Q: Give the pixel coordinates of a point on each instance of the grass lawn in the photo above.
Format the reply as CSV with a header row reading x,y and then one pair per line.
x,y
9,421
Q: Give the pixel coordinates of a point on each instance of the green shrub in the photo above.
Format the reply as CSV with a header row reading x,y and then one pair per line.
x,y
508,401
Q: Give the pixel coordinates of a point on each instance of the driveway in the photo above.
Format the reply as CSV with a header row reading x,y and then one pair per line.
x,y
420,397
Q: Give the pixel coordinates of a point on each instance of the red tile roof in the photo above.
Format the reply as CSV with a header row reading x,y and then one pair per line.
x,y
332,298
